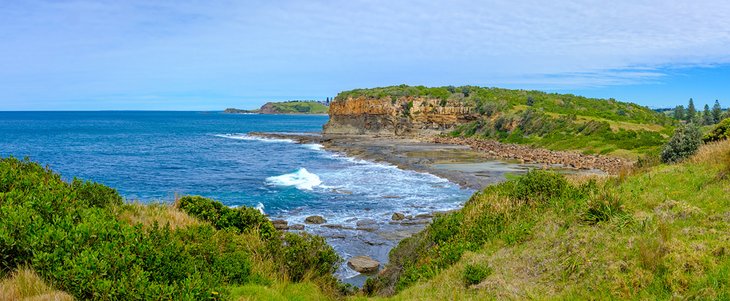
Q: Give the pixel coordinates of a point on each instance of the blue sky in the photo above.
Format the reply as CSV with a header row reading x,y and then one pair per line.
x,y
209,55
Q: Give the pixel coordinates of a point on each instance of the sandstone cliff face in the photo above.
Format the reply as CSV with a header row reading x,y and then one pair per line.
x,y
405,116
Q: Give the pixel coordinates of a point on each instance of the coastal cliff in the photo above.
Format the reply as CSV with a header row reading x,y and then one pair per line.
x,y
401,116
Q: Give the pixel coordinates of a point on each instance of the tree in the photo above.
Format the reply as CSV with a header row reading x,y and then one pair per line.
x,y
707,116
716,112
684,143
679,112
691,111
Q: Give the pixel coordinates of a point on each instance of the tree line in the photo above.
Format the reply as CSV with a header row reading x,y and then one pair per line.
x,y
706,117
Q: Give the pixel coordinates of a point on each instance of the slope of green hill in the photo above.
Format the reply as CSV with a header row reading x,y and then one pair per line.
x,y
656,234
547,120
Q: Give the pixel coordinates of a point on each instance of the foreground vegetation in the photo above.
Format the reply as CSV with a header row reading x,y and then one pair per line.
x,y
81,238
657,233
548,120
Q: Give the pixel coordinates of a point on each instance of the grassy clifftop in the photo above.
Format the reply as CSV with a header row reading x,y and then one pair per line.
x,y
656,234
286,107
548,120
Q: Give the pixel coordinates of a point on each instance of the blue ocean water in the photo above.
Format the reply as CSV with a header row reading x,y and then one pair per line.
x,y
153,156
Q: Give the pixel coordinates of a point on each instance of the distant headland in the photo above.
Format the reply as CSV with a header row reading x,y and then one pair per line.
x,y
287,107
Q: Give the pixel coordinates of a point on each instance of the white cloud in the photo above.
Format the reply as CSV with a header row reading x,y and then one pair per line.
x,y
240,47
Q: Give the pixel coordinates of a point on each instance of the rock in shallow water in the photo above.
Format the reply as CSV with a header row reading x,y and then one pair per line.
x,y
363,264
315,219
296,227
397,216
365,222
280,224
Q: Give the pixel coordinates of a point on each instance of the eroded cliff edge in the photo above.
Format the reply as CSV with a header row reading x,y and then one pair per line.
x,y
405,116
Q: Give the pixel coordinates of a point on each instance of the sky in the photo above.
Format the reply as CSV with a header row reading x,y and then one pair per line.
x,y
210,55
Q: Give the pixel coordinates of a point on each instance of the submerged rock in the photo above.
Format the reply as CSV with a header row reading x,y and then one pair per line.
x,y
315,219
398,216
363,264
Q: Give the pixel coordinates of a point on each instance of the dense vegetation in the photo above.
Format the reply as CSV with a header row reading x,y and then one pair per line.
x,y
546,119
720,132
286,107
658,233
83,239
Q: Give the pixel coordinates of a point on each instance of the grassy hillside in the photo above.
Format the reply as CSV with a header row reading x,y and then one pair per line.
x,y
549,120
661,233
81,238
294,107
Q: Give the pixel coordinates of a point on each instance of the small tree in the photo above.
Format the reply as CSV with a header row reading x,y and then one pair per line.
x,y
684,143
716,112
707,116
691,111
679,112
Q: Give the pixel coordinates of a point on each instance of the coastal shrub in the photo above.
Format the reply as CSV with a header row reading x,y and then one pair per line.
x,y
303,255
95,194
539,185
241,219
720,132
476,273
684,143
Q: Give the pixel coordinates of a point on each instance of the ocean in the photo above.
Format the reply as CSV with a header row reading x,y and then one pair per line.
x,y
156,156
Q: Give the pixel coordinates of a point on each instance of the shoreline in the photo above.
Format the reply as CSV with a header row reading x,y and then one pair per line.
x,y
472,164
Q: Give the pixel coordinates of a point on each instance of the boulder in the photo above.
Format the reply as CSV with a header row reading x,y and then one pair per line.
x,y
280,224
363,264
315,219
398,216
296,227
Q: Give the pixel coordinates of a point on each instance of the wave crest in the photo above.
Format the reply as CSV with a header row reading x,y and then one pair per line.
x,y
301,179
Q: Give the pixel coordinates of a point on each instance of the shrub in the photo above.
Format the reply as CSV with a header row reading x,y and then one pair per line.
x,y
95,194
476,273
539,185
720,132
241,219
302,254
684,143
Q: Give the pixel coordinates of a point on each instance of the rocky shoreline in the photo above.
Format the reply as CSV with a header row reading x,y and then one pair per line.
x,y
365,243
526,154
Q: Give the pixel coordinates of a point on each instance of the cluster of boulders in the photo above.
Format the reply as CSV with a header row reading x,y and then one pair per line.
x,y
528,154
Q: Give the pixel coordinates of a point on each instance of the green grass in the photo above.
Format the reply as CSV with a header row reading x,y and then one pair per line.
x,y
656,234
299,107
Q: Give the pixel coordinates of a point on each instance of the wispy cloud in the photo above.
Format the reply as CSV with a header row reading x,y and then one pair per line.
x,y
56,51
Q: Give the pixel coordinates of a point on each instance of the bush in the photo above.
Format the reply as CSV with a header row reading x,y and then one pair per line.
x,y
539,185
476,273
302,254
241,219
684,143
720,132
95,194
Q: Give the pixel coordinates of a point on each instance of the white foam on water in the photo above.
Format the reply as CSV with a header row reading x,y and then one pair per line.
x,y
301,179
314,146
260,208
253,138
